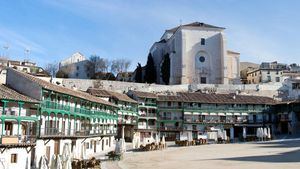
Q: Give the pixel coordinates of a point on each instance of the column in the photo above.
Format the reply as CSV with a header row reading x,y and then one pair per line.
x,y
232,134
19,120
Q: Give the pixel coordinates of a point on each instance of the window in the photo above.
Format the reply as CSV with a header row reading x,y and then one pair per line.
x,y
202,59
77,74
199,104
169,104
202,41
203,80
13,158
77,67
268,72
179,104
269,78
277,79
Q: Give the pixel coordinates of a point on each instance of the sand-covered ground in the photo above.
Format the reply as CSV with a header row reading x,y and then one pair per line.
x,y
273,155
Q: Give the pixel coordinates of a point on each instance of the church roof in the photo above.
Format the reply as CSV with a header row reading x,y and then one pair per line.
x,y
195,24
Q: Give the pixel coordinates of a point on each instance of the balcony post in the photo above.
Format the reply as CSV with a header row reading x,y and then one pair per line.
x,y
20,108
3,126
3,111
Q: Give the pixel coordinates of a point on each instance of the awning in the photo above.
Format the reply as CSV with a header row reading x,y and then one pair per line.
x,y
237,114
187,113
229,114
213,114
196,113
204,113
221,114
245,114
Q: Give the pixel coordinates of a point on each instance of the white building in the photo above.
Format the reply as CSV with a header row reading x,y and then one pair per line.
x,y
76,66
84,123
198,54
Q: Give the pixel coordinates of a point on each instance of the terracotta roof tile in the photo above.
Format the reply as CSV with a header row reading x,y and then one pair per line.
x,y
144,94
217,98
10,94
106,93
61,89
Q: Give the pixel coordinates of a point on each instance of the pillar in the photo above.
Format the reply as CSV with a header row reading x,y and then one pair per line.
x,y
232,134
19,120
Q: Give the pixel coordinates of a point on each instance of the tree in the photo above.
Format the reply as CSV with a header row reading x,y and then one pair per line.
x,y
51,68
120,65
64,71
165,69
138,74
150,74
100,64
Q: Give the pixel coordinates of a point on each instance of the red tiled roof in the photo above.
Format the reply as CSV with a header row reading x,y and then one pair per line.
x,y
61,89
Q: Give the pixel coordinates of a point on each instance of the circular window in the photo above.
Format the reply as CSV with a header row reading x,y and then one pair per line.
x,y
202,59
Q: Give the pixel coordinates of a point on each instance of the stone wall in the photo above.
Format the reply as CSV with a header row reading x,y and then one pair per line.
x,y
274,90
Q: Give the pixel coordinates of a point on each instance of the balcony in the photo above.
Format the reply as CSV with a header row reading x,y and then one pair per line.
x,y
225,121
85,111
55,132
171,118
22,139
170,128
226,109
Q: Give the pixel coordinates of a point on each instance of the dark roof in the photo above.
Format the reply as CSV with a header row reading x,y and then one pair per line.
x,y
172,98
61,89
217,98
195,24
106,93
144,94
10,94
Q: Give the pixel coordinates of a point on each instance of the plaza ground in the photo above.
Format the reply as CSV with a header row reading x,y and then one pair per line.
x,y
278,154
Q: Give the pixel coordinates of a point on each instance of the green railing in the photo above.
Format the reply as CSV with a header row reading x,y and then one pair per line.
x,y
79,111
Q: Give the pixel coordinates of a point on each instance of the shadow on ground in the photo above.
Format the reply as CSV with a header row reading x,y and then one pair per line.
x,y
286,157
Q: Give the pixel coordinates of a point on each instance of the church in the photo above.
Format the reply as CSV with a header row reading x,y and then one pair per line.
x,y
196,53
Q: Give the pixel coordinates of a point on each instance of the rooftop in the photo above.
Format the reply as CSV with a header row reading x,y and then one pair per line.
x,y
105,93
195,24
10,94
216,98
144,94
61,89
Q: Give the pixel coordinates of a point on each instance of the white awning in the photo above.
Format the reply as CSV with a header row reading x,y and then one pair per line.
x,y
187,113
221,114
245,114
213,114
237,114
204,113
196,113
229,114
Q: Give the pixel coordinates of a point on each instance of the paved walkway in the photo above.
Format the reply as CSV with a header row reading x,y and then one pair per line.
x,y
278,154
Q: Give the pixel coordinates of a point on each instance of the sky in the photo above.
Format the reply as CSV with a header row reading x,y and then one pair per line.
x,y
261,30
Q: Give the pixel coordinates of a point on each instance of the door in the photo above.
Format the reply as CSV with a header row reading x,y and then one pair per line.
x,y
95,146
56,147
102,144
8,128
48,152
32,157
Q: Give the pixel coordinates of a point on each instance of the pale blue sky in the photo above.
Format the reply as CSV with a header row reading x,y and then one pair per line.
x,y
261,30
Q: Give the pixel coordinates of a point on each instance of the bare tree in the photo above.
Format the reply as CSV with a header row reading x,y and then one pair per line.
x,y
51,68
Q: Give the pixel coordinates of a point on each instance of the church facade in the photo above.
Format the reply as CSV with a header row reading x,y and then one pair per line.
x,y
197,53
